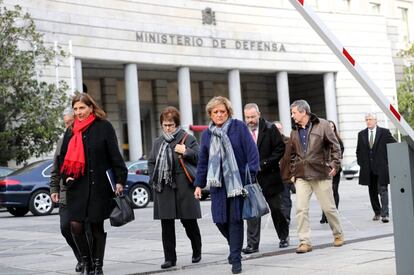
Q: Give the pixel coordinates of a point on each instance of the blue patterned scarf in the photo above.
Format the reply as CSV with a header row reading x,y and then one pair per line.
x,y
222,164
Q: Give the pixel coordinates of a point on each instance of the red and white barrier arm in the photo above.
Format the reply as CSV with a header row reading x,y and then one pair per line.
x,y
353,67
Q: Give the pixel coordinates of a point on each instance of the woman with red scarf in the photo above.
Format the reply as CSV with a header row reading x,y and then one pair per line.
x,y
90,148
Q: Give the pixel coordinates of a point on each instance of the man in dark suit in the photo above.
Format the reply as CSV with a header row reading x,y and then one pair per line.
x,y
372,158
271,149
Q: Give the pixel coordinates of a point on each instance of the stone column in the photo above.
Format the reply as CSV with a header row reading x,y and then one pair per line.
x,y
160,96
78,75
283,100
184,97
111,107
330,97
235,94
133,112
206,93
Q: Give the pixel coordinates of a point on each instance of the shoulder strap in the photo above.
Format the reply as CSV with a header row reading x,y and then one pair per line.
x,y
180,159
184,138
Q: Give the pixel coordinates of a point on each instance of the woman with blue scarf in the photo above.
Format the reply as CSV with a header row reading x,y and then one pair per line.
x,y
173,193
226,147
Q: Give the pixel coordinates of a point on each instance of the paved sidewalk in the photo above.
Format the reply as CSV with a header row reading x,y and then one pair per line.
x,y
33,245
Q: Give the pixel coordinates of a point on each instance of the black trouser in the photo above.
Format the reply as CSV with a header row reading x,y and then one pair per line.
x,y
168,237
233,231
279,222
65,230
376,190
286,200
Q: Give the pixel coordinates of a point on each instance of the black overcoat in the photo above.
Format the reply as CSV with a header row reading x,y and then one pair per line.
x,y
178,203
271,149
90,196
379,164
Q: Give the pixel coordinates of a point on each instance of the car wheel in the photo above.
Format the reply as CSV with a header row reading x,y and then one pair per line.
x,y
18,211
41,203
140,195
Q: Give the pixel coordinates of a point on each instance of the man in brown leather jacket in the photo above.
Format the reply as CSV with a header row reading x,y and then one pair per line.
x,y
315,159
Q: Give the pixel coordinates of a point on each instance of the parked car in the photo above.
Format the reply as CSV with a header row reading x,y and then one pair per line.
x,y
27,189
351,170
4,171
138,187
139,194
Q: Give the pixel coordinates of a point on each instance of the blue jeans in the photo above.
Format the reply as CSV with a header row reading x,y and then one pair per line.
x,y
233,232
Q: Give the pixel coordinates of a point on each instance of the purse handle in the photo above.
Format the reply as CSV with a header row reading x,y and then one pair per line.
x,y
180,159
247,175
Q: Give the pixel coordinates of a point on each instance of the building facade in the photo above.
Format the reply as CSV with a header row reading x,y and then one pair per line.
x,y
138,56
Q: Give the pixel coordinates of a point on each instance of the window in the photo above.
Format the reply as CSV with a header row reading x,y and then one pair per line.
x,y
375,7
405,31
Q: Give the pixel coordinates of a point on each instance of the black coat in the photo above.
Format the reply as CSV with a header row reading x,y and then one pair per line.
x,y
178,203
271,149
90,196
379,164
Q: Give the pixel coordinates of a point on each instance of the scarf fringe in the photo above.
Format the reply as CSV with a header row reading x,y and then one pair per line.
x,y
213,182
73,168
236,192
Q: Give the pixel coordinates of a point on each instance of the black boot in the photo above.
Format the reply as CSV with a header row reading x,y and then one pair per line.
x,y
98,252
84,252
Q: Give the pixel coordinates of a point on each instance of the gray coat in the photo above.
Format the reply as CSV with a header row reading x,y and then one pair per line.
x,y
176,203
56,183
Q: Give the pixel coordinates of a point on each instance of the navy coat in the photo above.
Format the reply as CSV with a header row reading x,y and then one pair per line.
x,y
245,152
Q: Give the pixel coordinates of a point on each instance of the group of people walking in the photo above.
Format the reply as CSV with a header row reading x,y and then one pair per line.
x,y
309,159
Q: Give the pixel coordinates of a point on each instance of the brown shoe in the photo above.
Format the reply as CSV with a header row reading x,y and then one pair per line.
x,y
339,240
304,248
376,218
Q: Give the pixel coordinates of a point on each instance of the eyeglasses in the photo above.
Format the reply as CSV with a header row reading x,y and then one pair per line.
x,y
172,125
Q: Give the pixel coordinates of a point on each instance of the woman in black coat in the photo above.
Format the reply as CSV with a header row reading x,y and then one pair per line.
x,y
89,149
173,192
337,177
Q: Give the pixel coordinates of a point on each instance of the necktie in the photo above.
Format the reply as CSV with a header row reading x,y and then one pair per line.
x,y
254,135
371,139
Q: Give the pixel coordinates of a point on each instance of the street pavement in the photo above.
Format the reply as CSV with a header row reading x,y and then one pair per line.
x,y
34,245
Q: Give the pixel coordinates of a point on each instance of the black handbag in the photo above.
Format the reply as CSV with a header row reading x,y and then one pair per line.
x,y
123,211
190,170
254,205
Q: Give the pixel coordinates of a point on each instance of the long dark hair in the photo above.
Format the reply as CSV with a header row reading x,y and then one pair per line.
x,y
336,131
89,101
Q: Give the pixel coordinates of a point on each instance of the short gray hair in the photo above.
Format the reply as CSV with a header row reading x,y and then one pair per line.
x,y
68,112
249,106
301,105
371,114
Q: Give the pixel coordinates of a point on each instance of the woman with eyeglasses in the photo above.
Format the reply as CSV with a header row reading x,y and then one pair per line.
x,y
173,192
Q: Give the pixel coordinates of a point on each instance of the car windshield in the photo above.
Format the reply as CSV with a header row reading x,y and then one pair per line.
x,y
27,168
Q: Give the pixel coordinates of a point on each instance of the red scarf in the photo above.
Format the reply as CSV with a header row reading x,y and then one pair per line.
x,y
74,164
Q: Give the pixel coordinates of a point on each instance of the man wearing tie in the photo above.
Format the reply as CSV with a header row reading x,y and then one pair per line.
x,y
372,158
271,149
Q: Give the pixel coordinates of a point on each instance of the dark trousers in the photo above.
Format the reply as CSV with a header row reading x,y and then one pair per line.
x,y
168,237
233,231
279,222
65,230
286,201
376,190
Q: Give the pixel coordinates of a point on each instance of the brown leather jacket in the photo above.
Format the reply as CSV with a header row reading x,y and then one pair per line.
x,y
323,152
